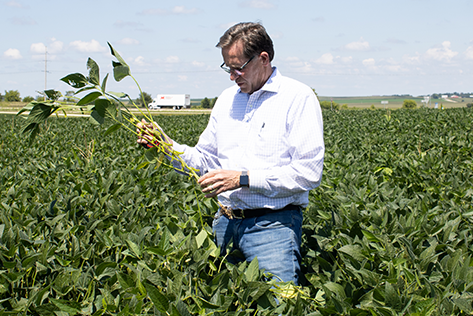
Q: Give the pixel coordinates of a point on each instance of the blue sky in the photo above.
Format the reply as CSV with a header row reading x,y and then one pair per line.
x,y
339,47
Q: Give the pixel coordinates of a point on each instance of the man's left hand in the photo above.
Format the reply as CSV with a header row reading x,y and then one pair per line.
x,y
218,181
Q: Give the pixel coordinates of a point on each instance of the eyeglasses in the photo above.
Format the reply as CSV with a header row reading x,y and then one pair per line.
x,y
237,71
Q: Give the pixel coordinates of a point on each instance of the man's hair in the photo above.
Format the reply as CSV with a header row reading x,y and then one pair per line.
x,y
254,37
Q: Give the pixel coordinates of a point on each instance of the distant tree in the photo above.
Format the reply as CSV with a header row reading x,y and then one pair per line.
x,y
469,105
28,99
328,105
212,102
409,104
205,103
148,99
12,96
1,97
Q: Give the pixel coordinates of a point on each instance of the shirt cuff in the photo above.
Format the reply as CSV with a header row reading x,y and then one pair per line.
x,y
257,181
178,147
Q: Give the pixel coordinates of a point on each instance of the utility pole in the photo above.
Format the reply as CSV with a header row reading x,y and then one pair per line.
x,y
45,69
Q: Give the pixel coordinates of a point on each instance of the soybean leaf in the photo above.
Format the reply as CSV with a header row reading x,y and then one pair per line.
x,y
104,83
94,72
27,107
353,251
159,300
89,98
118,94
252,273
182,308
70,307
53,94
120,68
112,129
96,118
41,111
99,110
75,80
33,129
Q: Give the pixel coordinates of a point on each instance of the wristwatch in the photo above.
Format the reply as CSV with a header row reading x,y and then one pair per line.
x,y
244,179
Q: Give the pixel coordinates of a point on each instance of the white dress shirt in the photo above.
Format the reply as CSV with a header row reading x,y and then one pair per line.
x,y
276,133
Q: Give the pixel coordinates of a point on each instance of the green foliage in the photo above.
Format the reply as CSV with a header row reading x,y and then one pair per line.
x,y
205,103
329,105
144,97
469,105
409,104
212,102
28,99
86,229
12,96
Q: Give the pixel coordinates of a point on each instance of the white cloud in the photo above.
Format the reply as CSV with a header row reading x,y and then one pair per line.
x,y
37,48
140,61
361,45
258,4
347,59
14,4
292,59
325,59
128,41
443,53
182,78
53,47
469,53
172,59
183,10
369,62
12,53
198,63
87,47
411,59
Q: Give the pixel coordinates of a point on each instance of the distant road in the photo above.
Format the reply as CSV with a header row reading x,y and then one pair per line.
x,y
153,112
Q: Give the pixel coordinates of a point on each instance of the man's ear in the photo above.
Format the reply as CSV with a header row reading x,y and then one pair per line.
x,y
265,58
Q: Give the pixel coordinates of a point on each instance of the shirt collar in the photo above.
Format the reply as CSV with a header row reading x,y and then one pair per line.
x,y
272,84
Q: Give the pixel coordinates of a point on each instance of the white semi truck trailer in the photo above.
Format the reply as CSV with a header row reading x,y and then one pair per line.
x,y
174,101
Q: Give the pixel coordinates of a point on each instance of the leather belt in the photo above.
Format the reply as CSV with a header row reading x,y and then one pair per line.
x,y
241,214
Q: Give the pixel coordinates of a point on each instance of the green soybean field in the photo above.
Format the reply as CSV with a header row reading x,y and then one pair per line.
x,y
89,227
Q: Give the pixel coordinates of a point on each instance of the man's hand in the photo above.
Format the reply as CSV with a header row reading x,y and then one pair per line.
x,y
148,135
218,181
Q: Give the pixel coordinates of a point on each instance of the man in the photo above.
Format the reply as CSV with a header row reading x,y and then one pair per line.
x,y
261,154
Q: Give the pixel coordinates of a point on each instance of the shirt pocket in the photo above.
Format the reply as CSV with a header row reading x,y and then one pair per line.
x,y
269,141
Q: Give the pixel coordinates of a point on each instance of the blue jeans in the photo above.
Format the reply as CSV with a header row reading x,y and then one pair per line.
x,y
274,238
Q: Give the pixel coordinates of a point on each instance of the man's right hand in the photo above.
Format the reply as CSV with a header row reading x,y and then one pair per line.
x,y
150,134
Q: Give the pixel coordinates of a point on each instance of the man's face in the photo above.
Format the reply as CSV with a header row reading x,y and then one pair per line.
x,y
252,77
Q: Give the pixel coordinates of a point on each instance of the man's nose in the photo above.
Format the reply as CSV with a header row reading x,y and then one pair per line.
x,y
233,75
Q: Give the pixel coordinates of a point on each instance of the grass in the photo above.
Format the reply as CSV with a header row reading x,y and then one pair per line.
x,y
394,102
363,102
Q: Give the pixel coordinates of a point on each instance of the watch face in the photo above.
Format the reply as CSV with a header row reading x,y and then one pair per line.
x,y
244,181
